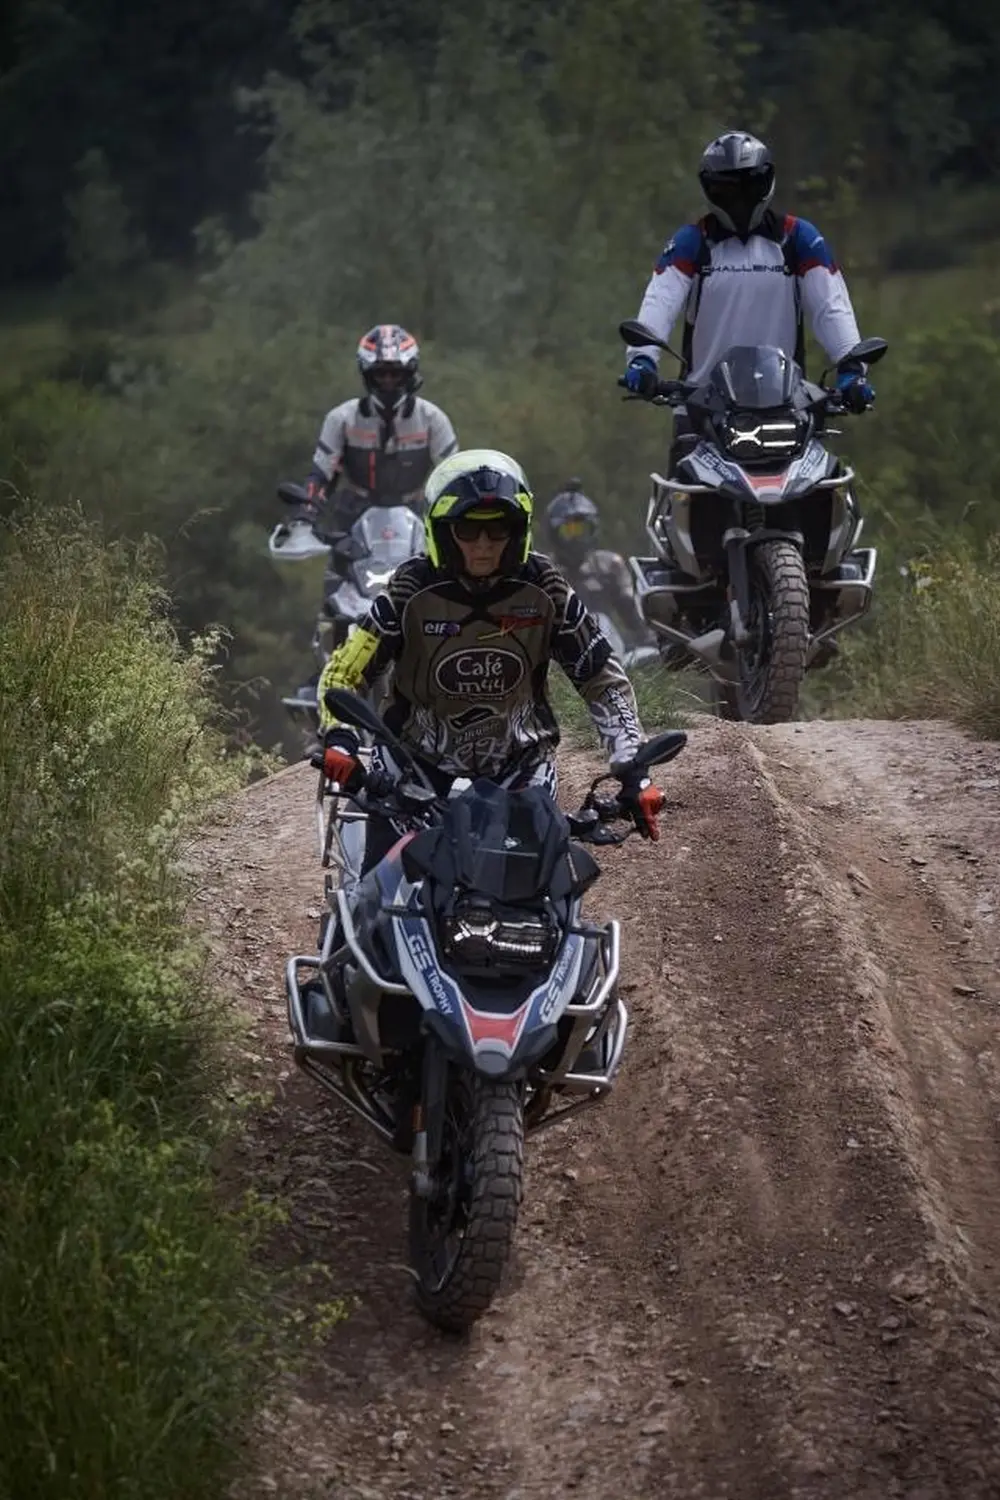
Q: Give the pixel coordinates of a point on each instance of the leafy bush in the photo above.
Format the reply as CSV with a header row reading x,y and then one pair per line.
x,y
130,1313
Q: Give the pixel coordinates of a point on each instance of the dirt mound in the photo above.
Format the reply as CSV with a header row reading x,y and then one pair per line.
x,y
769,1265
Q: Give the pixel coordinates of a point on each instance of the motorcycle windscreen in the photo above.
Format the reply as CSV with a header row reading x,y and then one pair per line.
x,y
504,844
389,534
755,378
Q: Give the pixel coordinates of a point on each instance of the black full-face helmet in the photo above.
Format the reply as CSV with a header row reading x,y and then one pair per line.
x,y
737,178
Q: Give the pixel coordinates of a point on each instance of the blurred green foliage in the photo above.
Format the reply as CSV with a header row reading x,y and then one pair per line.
x,y
499,178
134,1337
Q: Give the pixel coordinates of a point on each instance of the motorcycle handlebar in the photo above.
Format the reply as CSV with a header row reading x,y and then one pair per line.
x,y
667,393
676,392
380,793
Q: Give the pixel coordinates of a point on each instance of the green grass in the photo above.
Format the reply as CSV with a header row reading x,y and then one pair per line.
x,y
131,1323
660,696
933,650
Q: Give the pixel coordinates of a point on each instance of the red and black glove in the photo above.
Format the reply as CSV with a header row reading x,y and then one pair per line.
x,y
645,802
340,759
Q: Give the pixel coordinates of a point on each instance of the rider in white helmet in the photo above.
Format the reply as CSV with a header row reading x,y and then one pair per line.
x,y
378,448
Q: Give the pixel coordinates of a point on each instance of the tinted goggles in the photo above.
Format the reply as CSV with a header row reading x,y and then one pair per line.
x,y
496,530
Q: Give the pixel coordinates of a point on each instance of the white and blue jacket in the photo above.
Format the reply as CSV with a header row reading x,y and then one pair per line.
x,y
748,292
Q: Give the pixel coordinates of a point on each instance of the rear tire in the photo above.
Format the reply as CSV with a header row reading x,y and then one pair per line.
x,y
460,1241
772,668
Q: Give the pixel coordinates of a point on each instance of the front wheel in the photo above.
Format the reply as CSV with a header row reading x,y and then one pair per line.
x,y
461,1237
773,663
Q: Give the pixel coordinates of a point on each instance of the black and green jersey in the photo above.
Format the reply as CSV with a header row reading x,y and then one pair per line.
x,y
470,667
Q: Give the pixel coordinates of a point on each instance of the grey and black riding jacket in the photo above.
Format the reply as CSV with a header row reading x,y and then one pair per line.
x,y
376,459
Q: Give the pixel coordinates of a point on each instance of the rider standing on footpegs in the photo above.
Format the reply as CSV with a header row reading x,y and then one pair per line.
x,y
378,449
374,449
743,275
471,629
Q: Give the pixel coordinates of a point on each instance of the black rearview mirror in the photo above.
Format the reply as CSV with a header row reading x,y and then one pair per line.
x,y
636,335
292,494
660,749
349,708
869,350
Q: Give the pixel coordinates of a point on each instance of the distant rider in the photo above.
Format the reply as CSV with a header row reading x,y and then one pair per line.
x,y
743,275
378,449
472,628
375,449
601,577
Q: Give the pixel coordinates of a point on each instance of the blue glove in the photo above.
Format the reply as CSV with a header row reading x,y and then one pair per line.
x,y
854,390
641,376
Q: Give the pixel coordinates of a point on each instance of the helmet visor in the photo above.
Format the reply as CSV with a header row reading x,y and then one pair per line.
x,y
496,527
737,194
388,378
573,529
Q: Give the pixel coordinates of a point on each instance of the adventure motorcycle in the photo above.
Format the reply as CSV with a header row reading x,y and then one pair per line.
x,y
477,1001
360,563
757,562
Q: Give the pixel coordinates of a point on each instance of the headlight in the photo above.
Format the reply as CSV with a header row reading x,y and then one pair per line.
x,y
749,436
374,578
477,938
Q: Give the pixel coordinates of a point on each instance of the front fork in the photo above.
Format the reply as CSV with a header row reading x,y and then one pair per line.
x,y
428,1118
737,542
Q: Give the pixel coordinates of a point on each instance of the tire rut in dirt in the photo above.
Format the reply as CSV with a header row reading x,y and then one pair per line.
x,y
720,1285
379,1404
748,1187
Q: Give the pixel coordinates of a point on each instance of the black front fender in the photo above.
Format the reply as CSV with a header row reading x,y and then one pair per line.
x,y
771,534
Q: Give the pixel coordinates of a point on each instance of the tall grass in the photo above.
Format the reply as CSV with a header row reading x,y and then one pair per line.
x,y
130,1323
933,651
661,698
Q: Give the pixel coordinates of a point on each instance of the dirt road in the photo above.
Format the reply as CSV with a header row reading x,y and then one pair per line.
x,y
769,1265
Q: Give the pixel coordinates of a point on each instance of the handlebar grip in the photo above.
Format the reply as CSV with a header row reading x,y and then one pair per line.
x,y
672,390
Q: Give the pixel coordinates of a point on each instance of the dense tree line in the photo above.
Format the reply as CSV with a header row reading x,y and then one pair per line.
x,y
150,86
896,97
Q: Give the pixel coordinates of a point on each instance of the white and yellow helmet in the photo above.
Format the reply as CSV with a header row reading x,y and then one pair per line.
x,y
476,483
